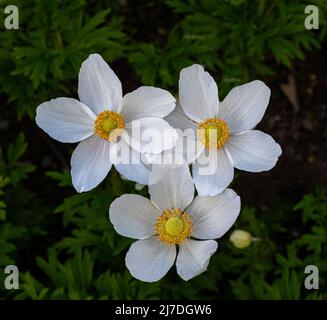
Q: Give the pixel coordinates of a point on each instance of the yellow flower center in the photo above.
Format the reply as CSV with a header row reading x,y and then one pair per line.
x,y
173,226
213,133
109,125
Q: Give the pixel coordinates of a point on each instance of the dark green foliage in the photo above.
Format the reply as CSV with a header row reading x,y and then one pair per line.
x,y
234,37
88,262
58,35
12,172
63,242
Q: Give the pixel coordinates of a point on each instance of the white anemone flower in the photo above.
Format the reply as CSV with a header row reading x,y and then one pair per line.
x,y
172,217
102,118
224,129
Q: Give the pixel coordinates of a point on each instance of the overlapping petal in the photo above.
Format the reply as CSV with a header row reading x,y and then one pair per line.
x,y
171,186
131,164
90,163
212,172
151,135
179,120
147,102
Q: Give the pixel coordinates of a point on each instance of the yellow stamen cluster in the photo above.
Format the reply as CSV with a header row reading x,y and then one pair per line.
x,y
213,133
173,226
109,125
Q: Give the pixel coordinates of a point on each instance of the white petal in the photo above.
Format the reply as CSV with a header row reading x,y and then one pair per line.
x,y
244,106
212,172
65,119
151,135
149,260
133,216
169,157
187,147
171,186
179,120
193,257
213,216
131,164
90,163
187,143
253,151
198,93
98,86
147,102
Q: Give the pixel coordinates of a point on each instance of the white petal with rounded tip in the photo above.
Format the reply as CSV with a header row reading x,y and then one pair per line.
x,y
65,119
213,216
98,86
179,120
244,106
253,151
198,93
131,164
171,186
193,257
149,260
147,102
212,172
133,216
90,163
151,135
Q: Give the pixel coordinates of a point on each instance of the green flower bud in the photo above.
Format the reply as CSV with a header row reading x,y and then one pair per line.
x,y
241,238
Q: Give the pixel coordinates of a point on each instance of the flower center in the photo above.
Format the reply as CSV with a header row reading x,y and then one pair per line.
x,y
173,226
213,133
109,125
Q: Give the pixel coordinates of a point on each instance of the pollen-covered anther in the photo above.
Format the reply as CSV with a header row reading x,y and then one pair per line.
x,y
213,133
173,226
109,125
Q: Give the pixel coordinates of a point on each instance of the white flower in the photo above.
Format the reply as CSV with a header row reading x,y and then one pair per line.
x,y
101,118
172,217
224,129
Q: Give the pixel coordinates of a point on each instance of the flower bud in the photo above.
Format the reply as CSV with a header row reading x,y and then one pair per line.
x,y
139,186
240,238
